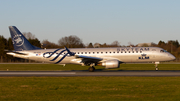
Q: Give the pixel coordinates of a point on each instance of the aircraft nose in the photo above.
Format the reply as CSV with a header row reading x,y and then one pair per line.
x,y
172,57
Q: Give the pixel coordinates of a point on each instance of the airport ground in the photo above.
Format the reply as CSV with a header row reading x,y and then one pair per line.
x,y
55,67
89,88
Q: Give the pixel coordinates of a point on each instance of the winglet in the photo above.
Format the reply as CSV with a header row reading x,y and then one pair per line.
x,y
69,52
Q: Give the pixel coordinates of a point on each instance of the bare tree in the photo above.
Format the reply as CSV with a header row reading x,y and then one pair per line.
x,y
130,44
32,39
29,35
47,44
71,42
115,44
90,45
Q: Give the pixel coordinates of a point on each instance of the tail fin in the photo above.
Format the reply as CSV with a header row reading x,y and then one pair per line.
x,y
19,41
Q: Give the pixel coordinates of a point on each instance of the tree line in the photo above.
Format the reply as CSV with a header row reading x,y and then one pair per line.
x,y
75,42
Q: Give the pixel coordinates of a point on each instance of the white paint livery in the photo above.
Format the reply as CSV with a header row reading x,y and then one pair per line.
x,y
107,57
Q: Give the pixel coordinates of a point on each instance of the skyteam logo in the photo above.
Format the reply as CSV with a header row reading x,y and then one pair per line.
x,y
18,40
50,54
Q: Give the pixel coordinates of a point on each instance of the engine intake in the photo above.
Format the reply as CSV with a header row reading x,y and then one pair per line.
x,y
111,64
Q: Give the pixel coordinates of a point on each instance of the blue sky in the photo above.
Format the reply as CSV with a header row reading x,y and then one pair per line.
x,y
102,21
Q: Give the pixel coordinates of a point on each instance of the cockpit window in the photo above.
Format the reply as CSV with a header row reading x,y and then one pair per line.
x,y
162,51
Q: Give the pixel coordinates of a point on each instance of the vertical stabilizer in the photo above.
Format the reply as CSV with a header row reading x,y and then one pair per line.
x,y
19,41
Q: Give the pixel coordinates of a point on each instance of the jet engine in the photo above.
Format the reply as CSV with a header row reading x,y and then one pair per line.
x,y
111,64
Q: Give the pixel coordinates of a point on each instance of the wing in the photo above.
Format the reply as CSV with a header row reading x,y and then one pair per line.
x,y
87,60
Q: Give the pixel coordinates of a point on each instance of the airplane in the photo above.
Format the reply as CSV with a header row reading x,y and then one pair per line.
x,y
107,57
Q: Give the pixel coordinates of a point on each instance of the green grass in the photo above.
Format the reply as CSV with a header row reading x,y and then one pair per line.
x,y
89,88
55,67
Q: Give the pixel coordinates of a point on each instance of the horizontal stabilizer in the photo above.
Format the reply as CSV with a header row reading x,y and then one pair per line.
x,y
15,52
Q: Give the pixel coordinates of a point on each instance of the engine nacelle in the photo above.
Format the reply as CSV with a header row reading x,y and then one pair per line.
x,y
111,64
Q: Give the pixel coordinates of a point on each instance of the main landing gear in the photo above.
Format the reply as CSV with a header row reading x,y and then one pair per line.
x,y
91,69
156,65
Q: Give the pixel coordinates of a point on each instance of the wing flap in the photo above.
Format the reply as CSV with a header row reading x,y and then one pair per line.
x,y
88,57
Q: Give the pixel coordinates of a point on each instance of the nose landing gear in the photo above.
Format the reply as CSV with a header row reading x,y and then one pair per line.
x,y
156,65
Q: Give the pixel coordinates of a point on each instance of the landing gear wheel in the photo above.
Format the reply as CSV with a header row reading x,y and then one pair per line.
x,y
91,69
156,65
156,68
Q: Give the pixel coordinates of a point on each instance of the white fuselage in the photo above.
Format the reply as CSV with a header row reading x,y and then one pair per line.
x,y
123,54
